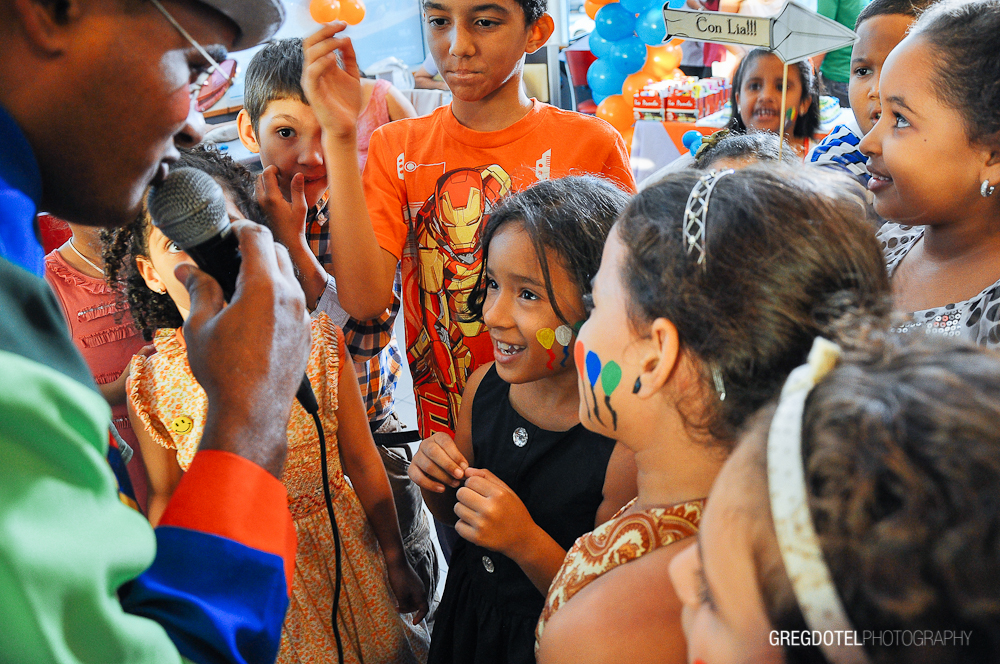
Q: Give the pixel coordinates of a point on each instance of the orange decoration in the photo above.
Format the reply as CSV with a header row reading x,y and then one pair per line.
x,y
591,8
662,60
324,11
627,135
635,82
352,11
617,111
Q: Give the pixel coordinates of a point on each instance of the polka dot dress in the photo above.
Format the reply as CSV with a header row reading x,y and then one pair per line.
x,y
976,319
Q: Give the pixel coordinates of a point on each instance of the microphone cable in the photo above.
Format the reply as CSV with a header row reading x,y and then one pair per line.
x,y
312,408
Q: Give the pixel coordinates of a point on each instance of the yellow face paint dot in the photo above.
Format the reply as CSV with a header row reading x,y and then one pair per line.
x,y
546,337
182,424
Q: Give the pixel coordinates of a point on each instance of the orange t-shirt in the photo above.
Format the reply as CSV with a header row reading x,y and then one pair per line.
x,y
430,183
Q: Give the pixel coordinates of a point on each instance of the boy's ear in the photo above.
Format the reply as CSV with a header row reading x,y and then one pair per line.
x,y
46,23
539,33
660,358
247,136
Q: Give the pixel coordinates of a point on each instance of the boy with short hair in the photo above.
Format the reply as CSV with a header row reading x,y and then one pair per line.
x,y
431,182
278,123
880,26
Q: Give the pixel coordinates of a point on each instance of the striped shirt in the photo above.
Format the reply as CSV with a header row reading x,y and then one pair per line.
x,y
840,149
371,343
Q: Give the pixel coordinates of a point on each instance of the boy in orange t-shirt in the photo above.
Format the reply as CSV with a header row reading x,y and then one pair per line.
x,y
431,182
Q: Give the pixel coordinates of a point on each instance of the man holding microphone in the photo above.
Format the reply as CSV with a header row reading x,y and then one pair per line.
x,y
95,97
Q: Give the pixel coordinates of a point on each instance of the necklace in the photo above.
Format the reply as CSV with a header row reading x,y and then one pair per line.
x,y
85,259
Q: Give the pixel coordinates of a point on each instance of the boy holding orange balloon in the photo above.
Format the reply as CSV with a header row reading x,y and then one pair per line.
x,y
431,182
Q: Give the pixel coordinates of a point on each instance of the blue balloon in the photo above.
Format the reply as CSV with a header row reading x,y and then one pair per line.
x,y
604,78
628,55
600,46
639,6
599,98
651,28
614,22
677,4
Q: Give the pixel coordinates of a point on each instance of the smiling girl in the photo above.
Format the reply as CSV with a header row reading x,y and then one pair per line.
x,y
756,99
522,478
934,157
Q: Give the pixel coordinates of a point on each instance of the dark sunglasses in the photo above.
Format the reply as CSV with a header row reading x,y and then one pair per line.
x,y
210,86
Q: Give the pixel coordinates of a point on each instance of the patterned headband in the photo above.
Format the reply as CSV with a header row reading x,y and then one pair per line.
x,y
696,214
800,550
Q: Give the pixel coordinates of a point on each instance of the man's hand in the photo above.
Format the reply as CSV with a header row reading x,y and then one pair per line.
x,y
249,356
334,93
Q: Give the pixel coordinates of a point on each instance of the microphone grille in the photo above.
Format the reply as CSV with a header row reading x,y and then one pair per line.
x,y
189,207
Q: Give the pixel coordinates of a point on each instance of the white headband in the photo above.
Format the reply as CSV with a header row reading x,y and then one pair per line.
x,y
800,550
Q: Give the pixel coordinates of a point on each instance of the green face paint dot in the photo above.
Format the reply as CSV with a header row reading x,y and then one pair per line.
x,y
611,375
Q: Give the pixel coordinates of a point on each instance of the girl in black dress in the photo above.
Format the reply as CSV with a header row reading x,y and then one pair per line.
x,y
522,479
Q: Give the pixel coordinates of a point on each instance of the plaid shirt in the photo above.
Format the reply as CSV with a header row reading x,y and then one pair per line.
x,y
371,343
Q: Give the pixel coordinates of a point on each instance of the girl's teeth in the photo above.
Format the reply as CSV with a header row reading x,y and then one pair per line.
x,y
508,349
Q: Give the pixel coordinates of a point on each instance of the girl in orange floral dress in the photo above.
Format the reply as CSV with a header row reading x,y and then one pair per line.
x,y
167,407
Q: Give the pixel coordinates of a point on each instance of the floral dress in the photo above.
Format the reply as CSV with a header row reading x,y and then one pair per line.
x,y
169,401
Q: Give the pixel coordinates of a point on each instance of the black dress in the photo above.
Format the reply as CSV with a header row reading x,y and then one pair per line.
x,y
490,608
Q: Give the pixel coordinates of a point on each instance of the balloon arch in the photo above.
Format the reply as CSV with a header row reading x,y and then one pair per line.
x,y
628,42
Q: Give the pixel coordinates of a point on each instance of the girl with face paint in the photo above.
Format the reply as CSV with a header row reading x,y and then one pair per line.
x,y
522,479
710,290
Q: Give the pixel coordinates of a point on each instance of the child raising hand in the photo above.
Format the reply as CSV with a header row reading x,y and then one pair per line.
x,y
522,477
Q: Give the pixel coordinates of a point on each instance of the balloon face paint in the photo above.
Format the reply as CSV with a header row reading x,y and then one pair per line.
x,y
579,355
593,372
611,375
546,337
564,336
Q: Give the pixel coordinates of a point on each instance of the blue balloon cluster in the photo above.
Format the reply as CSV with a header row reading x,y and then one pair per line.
x,y
622,31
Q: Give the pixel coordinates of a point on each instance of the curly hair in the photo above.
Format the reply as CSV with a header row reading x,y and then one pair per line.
x,y
568,218
789,256
151,310
807,123
901,452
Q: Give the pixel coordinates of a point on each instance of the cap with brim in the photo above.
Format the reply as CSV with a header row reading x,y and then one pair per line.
x,y
257,20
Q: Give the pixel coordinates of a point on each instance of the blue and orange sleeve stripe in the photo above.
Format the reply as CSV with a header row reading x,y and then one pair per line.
x,y
221,578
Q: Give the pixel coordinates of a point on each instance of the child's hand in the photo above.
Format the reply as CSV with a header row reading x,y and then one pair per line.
x,y
411,596
334,93
437,463
490,513
288,219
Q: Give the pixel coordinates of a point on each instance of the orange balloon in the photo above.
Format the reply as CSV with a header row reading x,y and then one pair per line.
x,y
676,41
627,135
324,11
591,8
617,111
662,60
352,11
635,82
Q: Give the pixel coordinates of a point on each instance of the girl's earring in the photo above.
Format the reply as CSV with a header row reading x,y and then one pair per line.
x,y
986,190
162,290
638,385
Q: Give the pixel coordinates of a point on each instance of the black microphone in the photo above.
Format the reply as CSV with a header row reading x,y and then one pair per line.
x,y
190,209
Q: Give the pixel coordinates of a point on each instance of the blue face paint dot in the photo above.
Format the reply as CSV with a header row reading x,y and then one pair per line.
x,y
593,367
